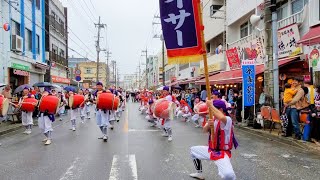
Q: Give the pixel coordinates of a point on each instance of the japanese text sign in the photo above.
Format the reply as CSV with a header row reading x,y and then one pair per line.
x,y
287,41
248,75
233,58
181,26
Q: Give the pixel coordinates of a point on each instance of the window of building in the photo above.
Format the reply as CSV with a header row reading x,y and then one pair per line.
x,y
283,12
38,44
54,49
15,28
297,6
214,9
61,53
244,30
28,40
208,47
88,71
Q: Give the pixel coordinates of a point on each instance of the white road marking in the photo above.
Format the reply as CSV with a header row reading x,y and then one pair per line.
x,y
133,166
119,162
70,171
114,172
143,130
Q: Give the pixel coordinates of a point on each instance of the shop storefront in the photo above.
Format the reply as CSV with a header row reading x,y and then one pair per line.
x,y
60,80
18,75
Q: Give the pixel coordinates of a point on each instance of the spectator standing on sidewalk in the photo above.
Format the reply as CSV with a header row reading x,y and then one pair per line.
x,y
292,109
203,95
238,101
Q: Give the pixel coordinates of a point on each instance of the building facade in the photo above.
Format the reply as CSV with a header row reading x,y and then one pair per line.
x,y
57,42
72,65
22,47
89,73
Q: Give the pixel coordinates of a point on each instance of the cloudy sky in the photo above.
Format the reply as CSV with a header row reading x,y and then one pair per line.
x,y
129,29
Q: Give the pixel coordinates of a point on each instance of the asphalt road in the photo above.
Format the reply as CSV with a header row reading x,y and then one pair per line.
x,y
136,151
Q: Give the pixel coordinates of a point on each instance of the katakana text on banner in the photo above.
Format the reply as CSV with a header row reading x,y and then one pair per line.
x,y
181,26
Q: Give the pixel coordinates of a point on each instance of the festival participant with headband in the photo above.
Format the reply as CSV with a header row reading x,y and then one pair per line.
x,y
101,115
45,121
166,123
82,108
26,117
113,113
63,102
219,148
150,116
88,100
198,120
73,113
185,110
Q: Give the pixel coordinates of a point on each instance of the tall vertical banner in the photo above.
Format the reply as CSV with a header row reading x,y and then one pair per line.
x,y
182,28
248,81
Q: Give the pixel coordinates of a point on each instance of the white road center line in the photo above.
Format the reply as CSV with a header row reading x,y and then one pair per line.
x,y
114,172
70,171
133,166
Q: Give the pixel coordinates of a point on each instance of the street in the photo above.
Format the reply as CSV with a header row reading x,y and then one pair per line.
x,y
136,151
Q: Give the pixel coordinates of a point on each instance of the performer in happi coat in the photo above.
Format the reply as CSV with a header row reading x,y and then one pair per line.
x,y
63,103
166,123
102,116
219,148
185,111
26,114
88,102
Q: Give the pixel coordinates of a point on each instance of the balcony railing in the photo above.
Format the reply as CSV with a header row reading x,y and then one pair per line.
x,y
294,18
57,26
58,59
240,41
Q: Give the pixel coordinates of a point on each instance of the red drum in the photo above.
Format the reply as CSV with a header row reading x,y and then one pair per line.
x,y
4,106
164,109
107,101
201,108
76,100
50,104
29,104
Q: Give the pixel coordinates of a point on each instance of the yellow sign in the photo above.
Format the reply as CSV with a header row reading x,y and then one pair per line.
x,y
296,52
211,68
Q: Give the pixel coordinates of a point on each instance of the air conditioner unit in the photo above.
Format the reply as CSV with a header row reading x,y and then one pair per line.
x,y
16,44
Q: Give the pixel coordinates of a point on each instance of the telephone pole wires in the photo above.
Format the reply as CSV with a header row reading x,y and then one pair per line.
x,y
99,25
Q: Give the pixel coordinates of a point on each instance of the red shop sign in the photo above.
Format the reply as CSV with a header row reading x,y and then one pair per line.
x,y
63,80
233,58
20,72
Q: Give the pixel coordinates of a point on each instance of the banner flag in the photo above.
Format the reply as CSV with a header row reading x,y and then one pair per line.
x,y
248,81
182,30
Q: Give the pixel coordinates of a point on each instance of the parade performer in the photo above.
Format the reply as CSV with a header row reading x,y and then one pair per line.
x,y
197,119
63,102
219,148
88,100
45,120
82,109
26,117
113,113
166,123
101,115
73,113
185,111
150,116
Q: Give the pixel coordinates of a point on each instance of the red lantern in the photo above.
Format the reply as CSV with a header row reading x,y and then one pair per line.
x,y
6,26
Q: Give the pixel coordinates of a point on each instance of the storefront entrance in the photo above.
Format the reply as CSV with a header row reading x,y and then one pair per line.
x,y
18,77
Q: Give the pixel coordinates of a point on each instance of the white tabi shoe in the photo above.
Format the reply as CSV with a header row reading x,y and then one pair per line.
x,y
165,134
45,140
105,138
73,128
25,132
197,176
28,132
197,126
170,138
48,142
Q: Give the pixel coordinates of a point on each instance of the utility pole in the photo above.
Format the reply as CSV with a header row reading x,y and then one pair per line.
x,y
271,75
100,26
146,54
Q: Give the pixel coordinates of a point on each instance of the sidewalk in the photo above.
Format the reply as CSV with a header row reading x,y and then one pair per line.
x,y
273,136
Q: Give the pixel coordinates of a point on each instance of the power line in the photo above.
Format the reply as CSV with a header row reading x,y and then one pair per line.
x,y
93,6
85,12
89,9
15,8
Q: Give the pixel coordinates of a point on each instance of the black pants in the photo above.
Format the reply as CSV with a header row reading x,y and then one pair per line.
x,y
238,115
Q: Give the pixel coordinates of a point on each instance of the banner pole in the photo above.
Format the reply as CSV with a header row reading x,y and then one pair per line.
x,y
205,64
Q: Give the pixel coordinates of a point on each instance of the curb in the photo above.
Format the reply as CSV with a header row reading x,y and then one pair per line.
x,y
285,140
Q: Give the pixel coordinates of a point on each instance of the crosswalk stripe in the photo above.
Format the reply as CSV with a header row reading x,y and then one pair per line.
x,y
114,172
120,165
133,166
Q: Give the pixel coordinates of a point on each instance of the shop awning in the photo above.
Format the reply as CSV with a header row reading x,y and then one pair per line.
x,y
235,76
312,37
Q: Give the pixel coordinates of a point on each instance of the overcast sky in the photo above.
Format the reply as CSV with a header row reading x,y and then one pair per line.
x,y
129,29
